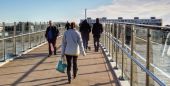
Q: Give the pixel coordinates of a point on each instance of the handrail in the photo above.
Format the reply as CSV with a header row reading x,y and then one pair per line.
x,y
137,62
150,26
164,73
14,49
21,35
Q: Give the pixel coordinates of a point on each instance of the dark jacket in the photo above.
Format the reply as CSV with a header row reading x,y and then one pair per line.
x,y
85,28
97,29
54,32
67,26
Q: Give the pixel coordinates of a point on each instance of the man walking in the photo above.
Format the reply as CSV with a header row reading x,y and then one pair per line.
x,y
96,31
51,35
85,29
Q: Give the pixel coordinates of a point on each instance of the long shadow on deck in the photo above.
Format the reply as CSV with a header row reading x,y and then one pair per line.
x,y
55,82
33,68
43,57
28,72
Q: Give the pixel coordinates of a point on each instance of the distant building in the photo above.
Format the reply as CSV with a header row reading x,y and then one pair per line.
x,y
151,21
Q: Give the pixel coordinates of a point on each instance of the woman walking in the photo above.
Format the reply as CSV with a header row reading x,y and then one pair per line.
x,y
72,46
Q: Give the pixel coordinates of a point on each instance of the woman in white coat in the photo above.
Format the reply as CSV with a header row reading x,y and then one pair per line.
x,y
72,46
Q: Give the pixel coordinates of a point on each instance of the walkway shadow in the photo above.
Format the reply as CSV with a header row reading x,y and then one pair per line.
x,y
24,72
86,58
44,79
54,82
91,64
103,84
28,72
50,68
29,56
36,55
93,72
44,55
15,66
27,65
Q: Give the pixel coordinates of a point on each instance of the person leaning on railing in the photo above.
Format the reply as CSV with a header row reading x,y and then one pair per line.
x,y
72,46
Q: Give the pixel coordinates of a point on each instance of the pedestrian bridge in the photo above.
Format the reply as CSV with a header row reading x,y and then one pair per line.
x,y
140,57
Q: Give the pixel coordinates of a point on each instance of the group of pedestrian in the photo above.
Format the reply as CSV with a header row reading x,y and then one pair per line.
x,y
85,30
74,42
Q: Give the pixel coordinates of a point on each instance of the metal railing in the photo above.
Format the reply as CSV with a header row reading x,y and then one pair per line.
x,y
136,49
15,38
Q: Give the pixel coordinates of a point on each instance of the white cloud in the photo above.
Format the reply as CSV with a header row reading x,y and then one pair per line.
x,y
134,8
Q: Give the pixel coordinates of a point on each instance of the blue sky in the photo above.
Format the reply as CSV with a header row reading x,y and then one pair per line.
x,y
73,10
44,10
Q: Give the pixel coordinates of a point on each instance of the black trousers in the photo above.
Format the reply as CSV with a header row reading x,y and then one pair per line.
x,y
96,42
85,38
53,42
128,39
71,60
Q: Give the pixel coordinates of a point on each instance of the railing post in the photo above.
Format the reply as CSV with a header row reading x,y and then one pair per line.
x,y
102,36
149,81
3,41
22,28
123,42
40,34
114,32
116,46
29,27
34,35
109,39
112,29
45,29
147,57
14,39
106,36
134,75
132,47
43,33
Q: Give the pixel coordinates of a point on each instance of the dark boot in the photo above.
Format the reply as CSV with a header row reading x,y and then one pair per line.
x,y
49,55
69,81
69,77
75,73
55,53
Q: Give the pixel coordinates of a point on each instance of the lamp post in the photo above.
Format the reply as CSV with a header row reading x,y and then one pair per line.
x,y
85,13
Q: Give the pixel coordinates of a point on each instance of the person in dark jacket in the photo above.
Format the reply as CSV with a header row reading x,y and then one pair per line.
x,y
85,29
67,26
96,31
51,35
128,35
